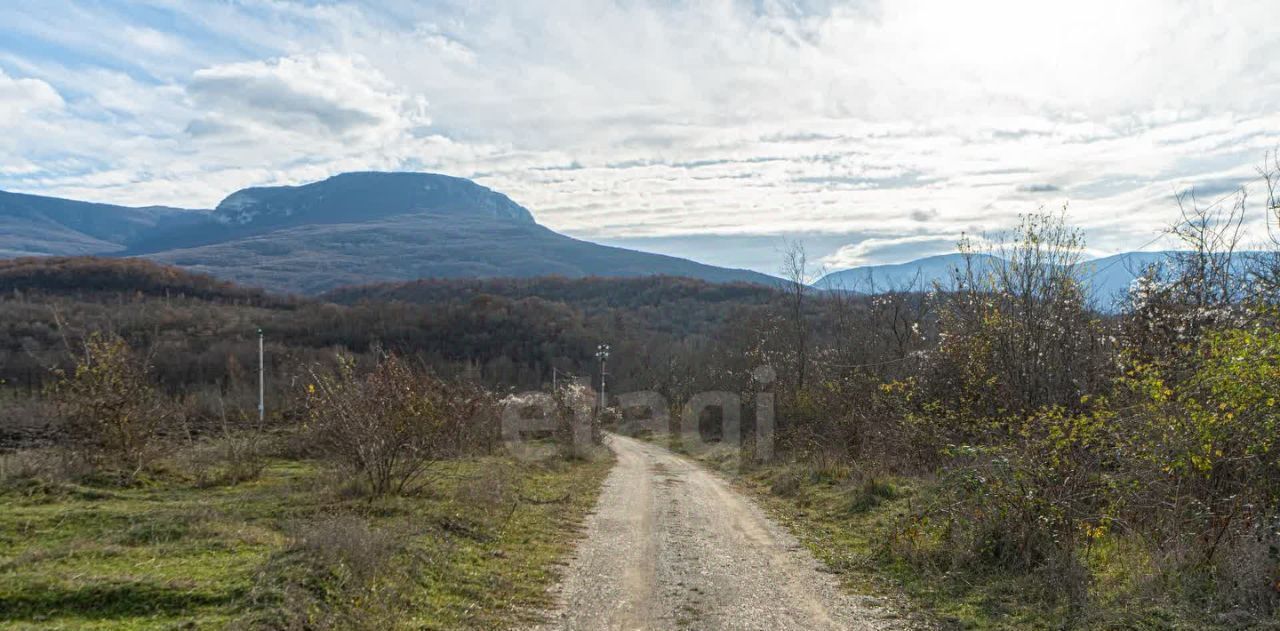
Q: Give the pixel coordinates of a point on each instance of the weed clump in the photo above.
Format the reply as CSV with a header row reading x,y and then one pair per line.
x,y
335,572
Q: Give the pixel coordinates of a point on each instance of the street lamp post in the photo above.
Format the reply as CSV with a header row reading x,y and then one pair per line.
x,y
262,403
602,354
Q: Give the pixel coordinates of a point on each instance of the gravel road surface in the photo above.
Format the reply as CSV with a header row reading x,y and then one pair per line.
x,y
673,546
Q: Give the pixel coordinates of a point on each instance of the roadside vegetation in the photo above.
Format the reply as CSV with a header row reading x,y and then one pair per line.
x,y
1010,456
379,497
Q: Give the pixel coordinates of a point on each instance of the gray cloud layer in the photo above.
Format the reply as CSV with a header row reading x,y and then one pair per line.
x,y
889,128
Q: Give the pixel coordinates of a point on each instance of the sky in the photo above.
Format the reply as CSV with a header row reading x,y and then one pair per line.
x,y
872,132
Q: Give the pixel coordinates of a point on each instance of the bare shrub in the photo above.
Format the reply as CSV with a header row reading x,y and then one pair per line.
x,y
108,404
473,425
838,419
1206,285
390,425
1265,266
21,465
1247,573
577,430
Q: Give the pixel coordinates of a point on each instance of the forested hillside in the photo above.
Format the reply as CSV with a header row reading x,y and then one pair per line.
x,y
509,333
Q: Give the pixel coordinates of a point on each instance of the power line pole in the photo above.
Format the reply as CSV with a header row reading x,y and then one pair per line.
x,y
553,379
262,402
602,354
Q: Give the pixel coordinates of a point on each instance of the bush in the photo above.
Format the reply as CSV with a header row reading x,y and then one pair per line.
x,y
26,422
390,425
1016,331
1031,505
108,404
1205,437
577,430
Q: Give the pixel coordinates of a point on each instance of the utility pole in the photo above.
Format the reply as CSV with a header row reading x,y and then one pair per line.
x,y
553,379
262,380
602,354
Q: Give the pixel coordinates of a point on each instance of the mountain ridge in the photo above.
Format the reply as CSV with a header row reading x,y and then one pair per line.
x,y
1108,277
351,228
395,192
38,225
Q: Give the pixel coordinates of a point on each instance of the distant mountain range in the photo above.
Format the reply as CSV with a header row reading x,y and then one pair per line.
x,y
350,229
361,228
1108,278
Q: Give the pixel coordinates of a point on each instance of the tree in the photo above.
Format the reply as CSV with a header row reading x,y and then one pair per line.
x,y
795,269
108,403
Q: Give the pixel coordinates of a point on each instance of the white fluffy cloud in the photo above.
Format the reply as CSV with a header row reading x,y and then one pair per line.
x,y
876,249
21,97
323,96
900,124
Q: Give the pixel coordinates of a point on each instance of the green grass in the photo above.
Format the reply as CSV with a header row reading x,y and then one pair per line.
x,y
166,553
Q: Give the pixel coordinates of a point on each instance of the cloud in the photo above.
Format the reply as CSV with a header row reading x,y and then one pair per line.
x,y
680,124
877,250
20,97
18,167
153,41
922,215
1038,188
322,95
1215,188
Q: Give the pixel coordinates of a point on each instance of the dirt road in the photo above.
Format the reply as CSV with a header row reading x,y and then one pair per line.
x,y
672,546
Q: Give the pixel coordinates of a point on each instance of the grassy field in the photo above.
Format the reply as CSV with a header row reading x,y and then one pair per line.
x,y
291,548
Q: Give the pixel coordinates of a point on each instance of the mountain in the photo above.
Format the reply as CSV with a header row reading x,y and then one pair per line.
x,y
1108,278
32,225
350,229
917,275
341,199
